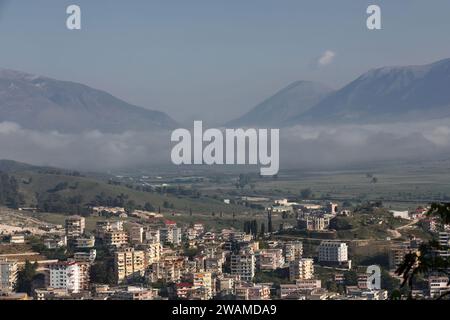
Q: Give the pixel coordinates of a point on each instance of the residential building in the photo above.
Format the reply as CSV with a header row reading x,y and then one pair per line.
x,y
129,263
302,269
269,259
243,264
75,227
438,285
116,238
137,234
84,242
65,275
8,274
292,250
334,252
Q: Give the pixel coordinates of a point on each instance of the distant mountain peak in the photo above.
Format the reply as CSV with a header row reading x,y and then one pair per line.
x,y
45,104
290,101
397,93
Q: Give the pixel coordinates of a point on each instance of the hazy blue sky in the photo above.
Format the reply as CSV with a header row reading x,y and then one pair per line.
x,y
216,59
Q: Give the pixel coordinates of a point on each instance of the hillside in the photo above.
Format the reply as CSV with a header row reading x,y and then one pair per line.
x,y
40,185
289,102
45,104
389,94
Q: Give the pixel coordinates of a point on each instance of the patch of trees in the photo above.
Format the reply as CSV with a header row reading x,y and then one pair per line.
x,y
57,203
9,191
340,224
27,278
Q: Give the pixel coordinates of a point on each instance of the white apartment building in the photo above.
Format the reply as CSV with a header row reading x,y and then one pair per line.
x,y
331,251
8,274
301,269
243,264
171,234
65,275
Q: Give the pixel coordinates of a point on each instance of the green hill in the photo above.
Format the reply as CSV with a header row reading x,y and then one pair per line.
x,y
42,185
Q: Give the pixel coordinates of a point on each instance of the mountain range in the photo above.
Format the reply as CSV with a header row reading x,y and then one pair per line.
x,y
45,104
291,101
389,94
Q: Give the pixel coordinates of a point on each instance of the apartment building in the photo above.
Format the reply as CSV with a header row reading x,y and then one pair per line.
x,y
152,252
116,238
302,269
137,234
269,259
84,242
301,287
171,234
75,227
102,227
253,292
8,274
65,275
243,264
314,223
88,257
129,263
334,252
203,281
292,250
438,285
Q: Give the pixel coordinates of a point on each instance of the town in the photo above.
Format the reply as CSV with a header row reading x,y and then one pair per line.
x,y
143,255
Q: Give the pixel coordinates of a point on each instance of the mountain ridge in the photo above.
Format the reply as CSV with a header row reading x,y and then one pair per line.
x,y
46,104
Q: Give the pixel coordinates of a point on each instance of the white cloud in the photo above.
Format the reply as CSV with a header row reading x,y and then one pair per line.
x,y
326,58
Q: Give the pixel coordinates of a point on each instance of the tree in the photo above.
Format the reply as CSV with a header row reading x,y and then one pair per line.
x,y
25,278
148,207
306,193
263,229
269,221
425,261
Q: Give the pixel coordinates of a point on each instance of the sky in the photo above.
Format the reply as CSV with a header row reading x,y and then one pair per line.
x,y
214,60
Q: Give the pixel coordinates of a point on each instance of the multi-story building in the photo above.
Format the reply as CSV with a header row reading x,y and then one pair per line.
x,y
55,242
75,227
116,238
397,254
129,263
170,234
17,239
106,226
269,259
253,292
88,257
152,252
243,264
152,235
65,275
292,250
8,274
438,285
137,234
301,269
333,252
314,223
203,281
84,242
298,289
